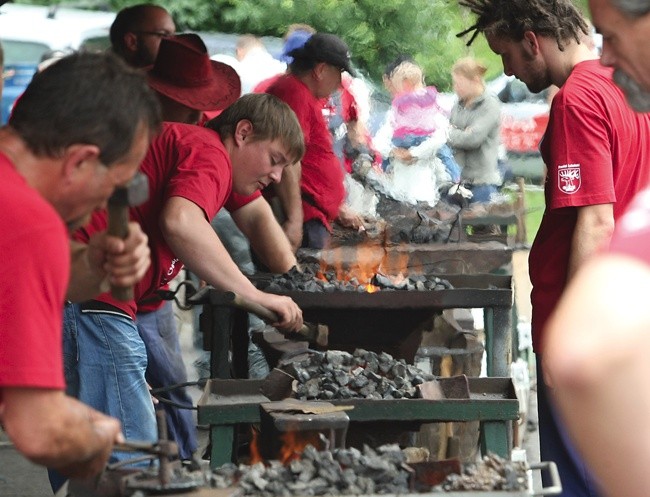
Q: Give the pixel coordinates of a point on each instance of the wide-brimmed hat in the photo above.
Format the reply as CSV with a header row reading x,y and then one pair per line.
x,y
184,72
324,47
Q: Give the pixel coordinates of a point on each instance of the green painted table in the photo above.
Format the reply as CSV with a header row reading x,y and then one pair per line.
x,y
227,403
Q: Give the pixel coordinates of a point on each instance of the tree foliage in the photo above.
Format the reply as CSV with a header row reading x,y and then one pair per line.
x,y
376,31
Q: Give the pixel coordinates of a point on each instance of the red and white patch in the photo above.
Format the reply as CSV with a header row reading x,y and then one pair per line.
x,y
568,178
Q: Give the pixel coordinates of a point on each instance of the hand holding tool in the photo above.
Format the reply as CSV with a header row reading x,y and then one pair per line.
x,y
135,193
314,333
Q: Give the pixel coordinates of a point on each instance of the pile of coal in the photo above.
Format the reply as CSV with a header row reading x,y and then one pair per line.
x,y
491,473
339,375
339,472
312,279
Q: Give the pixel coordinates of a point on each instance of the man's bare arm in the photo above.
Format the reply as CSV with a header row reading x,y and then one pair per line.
x,y
593,231
265,235
288,191
192,239
57,431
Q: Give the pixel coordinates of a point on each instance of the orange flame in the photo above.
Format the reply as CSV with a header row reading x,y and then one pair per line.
x,y
255,455
294,442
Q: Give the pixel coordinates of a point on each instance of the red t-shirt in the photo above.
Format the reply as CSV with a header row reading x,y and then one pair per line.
x,y
186,161
321,182
35,250
596,150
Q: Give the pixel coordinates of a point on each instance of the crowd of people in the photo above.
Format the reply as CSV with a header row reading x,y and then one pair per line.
x,y
209,135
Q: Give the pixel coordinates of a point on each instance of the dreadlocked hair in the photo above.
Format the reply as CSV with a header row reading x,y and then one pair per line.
x,y
512,18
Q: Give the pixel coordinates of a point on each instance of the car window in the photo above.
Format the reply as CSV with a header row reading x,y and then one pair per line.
x,y
95,44
23,52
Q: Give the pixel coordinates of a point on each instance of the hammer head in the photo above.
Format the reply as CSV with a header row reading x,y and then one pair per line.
x,y
136,192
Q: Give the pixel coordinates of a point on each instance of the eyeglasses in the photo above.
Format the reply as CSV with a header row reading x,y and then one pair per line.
x,y
160,34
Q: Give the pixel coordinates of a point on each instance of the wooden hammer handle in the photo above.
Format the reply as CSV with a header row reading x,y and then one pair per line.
x,y
118,226
313,333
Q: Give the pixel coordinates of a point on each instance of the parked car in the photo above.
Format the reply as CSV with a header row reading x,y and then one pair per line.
x,y
524,115
29,33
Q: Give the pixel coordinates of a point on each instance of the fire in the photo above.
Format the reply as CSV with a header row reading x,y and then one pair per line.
x,y
254,448
393,264
294,442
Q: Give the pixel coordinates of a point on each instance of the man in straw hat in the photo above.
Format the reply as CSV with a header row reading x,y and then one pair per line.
x,y
192,172
187,84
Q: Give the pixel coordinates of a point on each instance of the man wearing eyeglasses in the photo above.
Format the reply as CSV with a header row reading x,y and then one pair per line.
x,y
136,33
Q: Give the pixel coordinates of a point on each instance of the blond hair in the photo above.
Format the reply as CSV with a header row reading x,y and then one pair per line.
x,y
408,72
470,68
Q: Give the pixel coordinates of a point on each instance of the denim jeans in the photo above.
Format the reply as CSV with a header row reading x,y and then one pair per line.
x,y
166,367
482,193
105,362
555,445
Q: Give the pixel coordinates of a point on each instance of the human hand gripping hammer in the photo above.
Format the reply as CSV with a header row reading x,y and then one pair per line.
x,y
314,333
135,193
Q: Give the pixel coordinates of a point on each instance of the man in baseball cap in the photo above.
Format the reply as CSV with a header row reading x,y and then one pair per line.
x,y
312,193
325,47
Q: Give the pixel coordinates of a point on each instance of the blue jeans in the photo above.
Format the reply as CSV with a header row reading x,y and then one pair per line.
x,y
105,361
555,445
444,153
166,367
481,193
315,235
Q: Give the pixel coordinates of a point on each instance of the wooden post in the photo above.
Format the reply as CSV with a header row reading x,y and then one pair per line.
x,y
520,211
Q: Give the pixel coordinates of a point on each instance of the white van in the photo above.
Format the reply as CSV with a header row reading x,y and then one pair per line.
x,y
29,32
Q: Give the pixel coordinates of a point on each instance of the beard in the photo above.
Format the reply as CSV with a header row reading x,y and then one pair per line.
x,y
637,97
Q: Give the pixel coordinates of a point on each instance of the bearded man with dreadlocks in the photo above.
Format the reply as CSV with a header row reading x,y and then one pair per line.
x,y
597,157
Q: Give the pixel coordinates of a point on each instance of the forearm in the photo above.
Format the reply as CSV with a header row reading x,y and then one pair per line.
x,y
593,231
85,281
266,237
57,431
191,238
288,191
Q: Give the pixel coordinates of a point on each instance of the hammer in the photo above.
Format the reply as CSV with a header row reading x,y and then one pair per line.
x,y
135,193
314,333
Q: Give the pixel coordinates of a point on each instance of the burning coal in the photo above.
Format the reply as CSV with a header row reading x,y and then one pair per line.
x,y
317,280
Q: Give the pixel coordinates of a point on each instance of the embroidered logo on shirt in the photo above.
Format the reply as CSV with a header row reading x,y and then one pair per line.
x,y
568,178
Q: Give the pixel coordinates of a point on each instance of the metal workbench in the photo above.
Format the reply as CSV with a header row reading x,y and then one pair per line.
x,y
227,403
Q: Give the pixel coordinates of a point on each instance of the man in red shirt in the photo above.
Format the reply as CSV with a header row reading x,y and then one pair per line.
x,y
187,83
312,192
597,155
57,166
597,342
192,173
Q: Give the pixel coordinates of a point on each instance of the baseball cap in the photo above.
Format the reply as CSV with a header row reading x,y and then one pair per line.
x,y
325,47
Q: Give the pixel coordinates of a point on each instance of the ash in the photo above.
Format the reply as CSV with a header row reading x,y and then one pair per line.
x,y
339,375
339,472
491,473
307,281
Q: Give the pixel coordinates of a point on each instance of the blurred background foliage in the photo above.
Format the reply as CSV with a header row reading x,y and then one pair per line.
x,y
376,31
